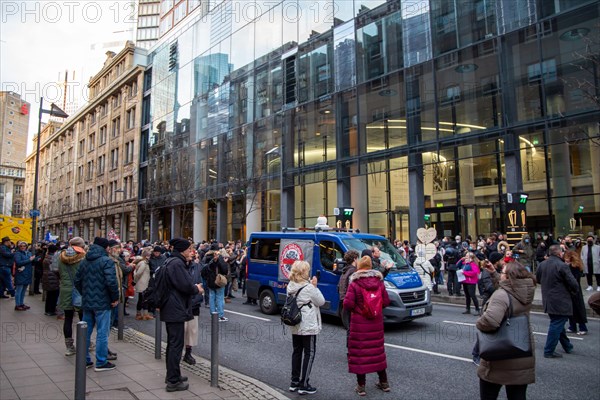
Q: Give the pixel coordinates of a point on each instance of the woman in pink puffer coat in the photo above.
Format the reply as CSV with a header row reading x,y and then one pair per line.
x,y
470,268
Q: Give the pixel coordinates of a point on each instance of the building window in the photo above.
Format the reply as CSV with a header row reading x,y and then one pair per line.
x,y
114,158
102,138
116,127
134,88
93,118
90,170
81,147
78,200
79,174
101,163
17,208
129,152
18,190
131,118
91,141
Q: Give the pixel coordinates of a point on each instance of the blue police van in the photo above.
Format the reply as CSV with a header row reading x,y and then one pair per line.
x,y
271,255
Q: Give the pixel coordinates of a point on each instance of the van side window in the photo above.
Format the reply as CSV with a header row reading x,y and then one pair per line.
x,y
328,252
265,250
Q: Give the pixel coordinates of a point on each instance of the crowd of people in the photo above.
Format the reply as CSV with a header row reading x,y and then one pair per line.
x,y
91,279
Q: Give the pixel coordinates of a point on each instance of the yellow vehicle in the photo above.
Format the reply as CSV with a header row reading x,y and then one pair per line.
x,y
15,228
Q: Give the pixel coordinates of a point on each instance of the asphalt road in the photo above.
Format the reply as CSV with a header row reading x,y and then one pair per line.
x,y
429,358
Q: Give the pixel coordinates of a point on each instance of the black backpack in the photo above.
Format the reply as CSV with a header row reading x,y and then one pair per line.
x,y
155,296
291,314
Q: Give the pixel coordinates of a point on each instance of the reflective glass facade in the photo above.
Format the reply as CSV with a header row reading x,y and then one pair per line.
x,y
267,114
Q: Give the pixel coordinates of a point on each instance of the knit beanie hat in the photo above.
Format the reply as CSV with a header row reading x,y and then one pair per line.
x,y
180,244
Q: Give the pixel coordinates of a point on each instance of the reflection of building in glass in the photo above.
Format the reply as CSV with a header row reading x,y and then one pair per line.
x,y
398,110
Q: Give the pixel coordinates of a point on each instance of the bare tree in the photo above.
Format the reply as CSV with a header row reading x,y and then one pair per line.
x,y
587,80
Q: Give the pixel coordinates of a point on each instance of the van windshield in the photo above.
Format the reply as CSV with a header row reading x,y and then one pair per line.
x,y
388,252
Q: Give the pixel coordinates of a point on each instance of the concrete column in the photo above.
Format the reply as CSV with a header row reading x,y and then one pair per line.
x,y
221,221
253,211
594,155
153,226
466,176
562,188
200,221
358,195
93,232
175,222
416,196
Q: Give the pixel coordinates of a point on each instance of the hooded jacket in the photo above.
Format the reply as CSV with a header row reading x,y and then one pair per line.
x,y
517,371
22,260
366,352
311,314
50,279
178,307
526,257
141,276
96,280
68,265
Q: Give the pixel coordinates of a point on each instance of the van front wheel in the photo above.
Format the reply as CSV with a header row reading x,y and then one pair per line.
x,y
267,302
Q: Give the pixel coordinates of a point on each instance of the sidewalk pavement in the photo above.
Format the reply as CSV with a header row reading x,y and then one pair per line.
x,y
33,365
537,299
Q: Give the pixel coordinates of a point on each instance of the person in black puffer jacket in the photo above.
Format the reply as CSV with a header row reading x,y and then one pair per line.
x,y
177,308
50,281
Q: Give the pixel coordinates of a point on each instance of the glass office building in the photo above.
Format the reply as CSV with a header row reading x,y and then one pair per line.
x,y
259,115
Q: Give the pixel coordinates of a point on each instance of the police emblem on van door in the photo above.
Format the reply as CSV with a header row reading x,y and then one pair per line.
x,y
290,253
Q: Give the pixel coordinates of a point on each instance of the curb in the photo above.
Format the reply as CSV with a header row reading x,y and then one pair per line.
x,y
241,385
535,306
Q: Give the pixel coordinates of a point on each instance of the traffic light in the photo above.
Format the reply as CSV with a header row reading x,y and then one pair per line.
x,y
427,218
347,217
580,209
523,198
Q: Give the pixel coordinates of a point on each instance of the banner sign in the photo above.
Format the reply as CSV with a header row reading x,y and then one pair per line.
x,y
291,250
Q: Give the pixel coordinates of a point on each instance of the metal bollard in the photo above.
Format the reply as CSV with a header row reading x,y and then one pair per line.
x,y
157,336
121,317
80,360
214,350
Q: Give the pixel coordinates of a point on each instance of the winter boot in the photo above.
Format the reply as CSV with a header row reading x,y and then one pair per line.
x,y
138,316
70,343
188,356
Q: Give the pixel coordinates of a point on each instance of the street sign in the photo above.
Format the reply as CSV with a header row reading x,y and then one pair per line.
x,y
34,213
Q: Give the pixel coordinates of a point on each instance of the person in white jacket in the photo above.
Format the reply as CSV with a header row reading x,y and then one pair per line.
x,y
304,335
425,270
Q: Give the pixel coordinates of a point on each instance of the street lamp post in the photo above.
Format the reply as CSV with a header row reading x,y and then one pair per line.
x,y
121,309
35,213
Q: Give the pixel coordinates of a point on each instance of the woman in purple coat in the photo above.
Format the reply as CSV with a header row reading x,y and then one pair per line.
x,y
365,299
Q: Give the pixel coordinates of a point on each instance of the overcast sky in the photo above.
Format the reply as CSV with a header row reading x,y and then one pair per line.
x,y
39,40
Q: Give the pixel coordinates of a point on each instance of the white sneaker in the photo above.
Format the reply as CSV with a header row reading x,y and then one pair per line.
x,y
598,289
589,288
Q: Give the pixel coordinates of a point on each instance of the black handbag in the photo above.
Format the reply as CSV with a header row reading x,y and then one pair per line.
x,y
510,340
